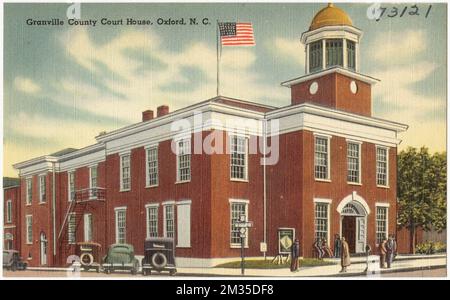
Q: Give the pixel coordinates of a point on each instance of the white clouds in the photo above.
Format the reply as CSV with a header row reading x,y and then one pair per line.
x,y
393,48
401,70
291,51
26,85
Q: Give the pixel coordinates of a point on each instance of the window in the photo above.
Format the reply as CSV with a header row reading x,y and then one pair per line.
x,y
152,221
353,163
88,227
238,157
382,166
315,56
121,225
29,195
8,211
334,54
71,229
93,182
184,160
351,55
321,161
71,186
42,189
29,225
169,225
152,166
184,224
237,209
321,221
381,223
125,183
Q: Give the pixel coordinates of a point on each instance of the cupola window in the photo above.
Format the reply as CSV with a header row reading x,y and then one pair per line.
x,y
315,56
351,55
334,53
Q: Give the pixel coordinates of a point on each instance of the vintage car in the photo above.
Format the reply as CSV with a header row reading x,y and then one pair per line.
x,y
89,254
120,257
159,255
12,260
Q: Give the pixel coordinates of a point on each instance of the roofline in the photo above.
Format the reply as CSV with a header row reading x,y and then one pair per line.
x,y
154,121
340,114
349,28
340,70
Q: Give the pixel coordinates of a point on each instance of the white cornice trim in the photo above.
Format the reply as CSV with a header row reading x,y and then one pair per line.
x,y
335,28
340,70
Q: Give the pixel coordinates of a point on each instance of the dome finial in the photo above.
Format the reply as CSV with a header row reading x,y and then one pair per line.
x,y
330,4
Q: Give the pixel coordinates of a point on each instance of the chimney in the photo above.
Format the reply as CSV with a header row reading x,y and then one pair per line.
x,y
162,110
147,115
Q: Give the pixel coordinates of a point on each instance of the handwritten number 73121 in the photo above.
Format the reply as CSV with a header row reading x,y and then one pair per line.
x,y
376,11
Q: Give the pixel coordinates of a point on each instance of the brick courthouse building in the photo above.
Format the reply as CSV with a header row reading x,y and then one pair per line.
x,y
336,172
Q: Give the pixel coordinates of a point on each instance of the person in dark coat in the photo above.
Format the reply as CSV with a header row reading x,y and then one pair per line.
x,y
345,255
318,248
337,246
391,249
295,253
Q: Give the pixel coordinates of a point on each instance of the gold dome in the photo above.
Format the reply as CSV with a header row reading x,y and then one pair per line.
x,y
330,16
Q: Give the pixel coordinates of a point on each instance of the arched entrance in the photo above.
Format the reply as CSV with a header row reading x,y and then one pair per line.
x,y
353,212
43,250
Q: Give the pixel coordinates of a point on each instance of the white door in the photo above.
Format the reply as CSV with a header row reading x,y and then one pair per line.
x,y
43,249
361,230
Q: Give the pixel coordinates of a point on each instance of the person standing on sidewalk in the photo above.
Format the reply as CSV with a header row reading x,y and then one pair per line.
x,y
391,248
345,256
337,246
295,253
382,249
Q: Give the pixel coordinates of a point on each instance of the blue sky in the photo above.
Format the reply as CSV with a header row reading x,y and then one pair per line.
x,y
65,84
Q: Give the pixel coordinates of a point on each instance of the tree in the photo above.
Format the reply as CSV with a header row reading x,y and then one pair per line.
x,y
422,191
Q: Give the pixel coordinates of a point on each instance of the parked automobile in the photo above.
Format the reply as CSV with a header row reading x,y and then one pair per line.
x,y
120,257
12,260
89,253
159,255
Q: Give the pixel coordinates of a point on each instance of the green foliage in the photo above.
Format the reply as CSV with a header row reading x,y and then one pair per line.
x,y
267,264
422,189
431,248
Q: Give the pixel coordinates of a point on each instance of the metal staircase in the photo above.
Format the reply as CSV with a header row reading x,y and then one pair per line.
x,y
78,205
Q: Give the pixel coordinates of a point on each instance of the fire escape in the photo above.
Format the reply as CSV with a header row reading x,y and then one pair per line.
x,y
80,201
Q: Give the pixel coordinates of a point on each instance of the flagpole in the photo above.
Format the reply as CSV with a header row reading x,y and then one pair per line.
x,y
217,52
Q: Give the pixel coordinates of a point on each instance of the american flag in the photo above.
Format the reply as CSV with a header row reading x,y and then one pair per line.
x,y
236,34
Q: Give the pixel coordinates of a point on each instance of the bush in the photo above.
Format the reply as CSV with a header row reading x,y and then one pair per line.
x,y
431,247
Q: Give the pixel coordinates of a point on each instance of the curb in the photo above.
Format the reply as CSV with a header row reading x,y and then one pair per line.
x,y
408,269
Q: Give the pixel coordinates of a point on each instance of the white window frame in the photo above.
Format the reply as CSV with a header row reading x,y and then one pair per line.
x,y
29,229
328,138
122,155
327,202
186,226
156,168
148,207
387,166
359,182
381,206
9,211
245,174
69,187
88,226
178,155
72,232
118,210
29,191
172,205
246,203
92,193
42,192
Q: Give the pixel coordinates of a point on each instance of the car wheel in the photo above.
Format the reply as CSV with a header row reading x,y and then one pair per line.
x,y
14,267
108,271
172,272
144,272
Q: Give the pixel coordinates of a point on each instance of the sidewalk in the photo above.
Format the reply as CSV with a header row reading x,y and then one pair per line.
x,y
402,263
